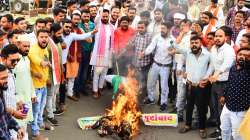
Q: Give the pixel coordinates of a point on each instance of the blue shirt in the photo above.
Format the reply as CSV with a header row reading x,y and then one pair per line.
x,y
237,91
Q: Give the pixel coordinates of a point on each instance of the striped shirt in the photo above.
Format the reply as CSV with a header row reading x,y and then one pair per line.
x,y
10,93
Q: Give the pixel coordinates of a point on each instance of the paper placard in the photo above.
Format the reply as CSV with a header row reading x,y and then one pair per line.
x,y
160,119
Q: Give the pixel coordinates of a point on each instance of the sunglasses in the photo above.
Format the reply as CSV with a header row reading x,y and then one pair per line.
x,y
14,61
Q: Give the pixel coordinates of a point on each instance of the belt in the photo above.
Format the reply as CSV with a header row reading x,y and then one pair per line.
x,y
221,82
192,84
163,65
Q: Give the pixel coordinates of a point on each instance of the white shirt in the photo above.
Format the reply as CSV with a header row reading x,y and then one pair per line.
x,y
69,39
33,38
199,68
222,59
135,22
10,93
241,33
154,28
185,43
159,46
205,29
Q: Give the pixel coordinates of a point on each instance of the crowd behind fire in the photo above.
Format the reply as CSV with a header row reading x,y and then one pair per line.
x,y
197,50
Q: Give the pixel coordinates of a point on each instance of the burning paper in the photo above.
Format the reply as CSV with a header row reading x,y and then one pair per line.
x,y
123,118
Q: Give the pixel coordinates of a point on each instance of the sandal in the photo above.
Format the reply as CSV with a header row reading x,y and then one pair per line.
x,y
203,134
47,127
185,129
96,95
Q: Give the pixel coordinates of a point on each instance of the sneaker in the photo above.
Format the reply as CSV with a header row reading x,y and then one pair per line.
x,y
39,137
58,112
215,135
163,107
148,102
53,121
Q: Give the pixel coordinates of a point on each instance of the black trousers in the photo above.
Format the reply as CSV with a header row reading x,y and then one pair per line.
x,y
197,96
217,91
62,89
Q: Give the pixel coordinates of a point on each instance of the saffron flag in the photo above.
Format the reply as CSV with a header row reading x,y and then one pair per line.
x,y
55,62
245,126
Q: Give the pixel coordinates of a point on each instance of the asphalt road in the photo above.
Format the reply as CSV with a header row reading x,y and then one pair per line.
x,y
87,106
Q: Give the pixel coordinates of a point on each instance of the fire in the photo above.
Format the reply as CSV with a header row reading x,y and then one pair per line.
x,y
123,118
124,108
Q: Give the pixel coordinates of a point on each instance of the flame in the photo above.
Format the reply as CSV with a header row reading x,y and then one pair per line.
x,y
124,108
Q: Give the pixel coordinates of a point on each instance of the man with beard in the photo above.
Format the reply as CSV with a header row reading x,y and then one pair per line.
x,y
6,23
139,44
84,72
68,38
101,55
246,30
93,12
39,67
205,19
10,57
7,122
240,6
40,24
155,26
55,77
223,57
217,12
160,46
236,96
245,41
133,18
123,34
175,30
238,24
24,94
183,40
74,57
115,13
198,69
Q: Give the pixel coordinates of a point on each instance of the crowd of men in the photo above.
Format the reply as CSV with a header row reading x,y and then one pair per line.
x,y
198,52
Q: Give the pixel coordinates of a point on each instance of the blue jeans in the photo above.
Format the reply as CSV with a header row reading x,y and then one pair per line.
x,y
38,107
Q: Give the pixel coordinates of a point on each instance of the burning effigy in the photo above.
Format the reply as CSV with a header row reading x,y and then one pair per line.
x,y
124,116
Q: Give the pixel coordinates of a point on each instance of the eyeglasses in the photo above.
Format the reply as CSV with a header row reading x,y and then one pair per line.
x,y
14,61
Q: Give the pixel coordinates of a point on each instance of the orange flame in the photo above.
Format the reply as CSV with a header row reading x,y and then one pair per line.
x,y
124,108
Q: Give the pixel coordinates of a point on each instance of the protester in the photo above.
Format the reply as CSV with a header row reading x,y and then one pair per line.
x,y
161,65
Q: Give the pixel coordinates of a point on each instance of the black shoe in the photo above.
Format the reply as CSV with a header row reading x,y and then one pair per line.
x,y
163,107
53,121
180,119
58,112
148,102
215,135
